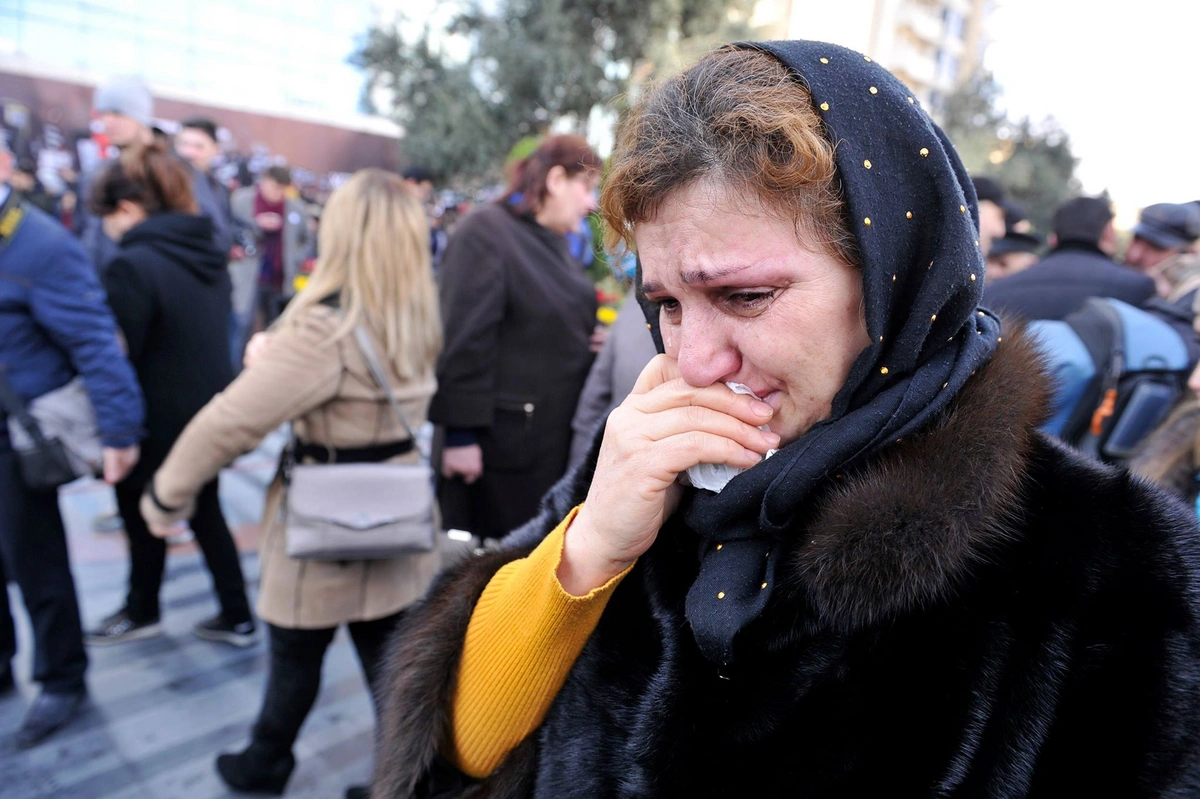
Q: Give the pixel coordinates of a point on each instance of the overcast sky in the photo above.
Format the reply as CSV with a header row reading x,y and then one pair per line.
x,y
1123,83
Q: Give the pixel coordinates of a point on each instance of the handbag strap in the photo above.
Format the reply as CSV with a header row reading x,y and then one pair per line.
x,y
376,368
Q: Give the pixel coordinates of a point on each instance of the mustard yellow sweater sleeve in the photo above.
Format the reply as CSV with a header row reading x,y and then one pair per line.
x,y
523,638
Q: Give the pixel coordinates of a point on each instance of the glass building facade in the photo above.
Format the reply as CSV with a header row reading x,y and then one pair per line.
x,y
271,55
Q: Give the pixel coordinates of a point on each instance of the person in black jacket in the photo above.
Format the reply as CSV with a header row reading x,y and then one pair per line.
x,y
519,317
169,290
1079,266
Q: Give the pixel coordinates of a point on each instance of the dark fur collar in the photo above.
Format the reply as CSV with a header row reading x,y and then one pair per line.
x,y
909,525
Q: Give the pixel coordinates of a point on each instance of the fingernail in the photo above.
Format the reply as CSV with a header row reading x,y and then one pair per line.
x,y
772,439
761,408
754,456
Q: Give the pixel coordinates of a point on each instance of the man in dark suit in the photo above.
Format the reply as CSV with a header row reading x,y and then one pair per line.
x,y
1079,266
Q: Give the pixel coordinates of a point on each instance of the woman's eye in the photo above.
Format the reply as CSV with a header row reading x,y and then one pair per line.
x,y
749,301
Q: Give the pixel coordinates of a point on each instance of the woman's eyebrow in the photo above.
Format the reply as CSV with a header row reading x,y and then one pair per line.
x,y
692,276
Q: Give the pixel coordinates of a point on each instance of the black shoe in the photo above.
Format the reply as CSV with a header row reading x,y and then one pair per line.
x,y
121,627
48,714
257,771
242,634
358,792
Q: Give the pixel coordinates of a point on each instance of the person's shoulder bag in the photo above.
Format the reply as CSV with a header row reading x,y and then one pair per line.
x,y
56,437
361,511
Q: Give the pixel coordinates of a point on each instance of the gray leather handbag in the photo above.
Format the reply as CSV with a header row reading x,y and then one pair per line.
x,y
361,511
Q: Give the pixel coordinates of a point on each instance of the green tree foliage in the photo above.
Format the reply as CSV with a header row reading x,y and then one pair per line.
x,y
531,63
1033,161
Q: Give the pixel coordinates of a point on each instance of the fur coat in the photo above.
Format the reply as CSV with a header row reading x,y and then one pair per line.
x,y
977,611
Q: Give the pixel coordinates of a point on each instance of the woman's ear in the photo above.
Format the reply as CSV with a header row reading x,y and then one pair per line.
x,y
131,210
556,178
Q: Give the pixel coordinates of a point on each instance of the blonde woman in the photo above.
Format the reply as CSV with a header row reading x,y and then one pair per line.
x,y
373,271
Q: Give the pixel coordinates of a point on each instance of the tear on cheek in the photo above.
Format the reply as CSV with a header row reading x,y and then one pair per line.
x,y
669,341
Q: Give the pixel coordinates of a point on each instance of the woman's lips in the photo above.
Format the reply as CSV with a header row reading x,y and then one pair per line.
x,y
774,399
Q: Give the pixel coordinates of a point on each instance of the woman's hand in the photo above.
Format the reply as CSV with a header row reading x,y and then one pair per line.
x,y
599,336
661,429
255,348
465,462
161,523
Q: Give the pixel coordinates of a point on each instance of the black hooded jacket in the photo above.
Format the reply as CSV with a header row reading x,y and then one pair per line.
x,y
170,293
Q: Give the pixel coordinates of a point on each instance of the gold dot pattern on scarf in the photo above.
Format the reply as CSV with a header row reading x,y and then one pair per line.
x,y
867,163
945,385
962,209
924,152
824,60
893,278
720,595
874,90
867,221
910,100
972,278
824,106
883,371
867,58
881,339
764,586
719,546
999,339
908,214
933,318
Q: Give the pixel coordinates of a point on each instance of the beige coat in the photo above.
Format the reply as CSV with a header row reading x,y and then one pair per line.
x,y
325,388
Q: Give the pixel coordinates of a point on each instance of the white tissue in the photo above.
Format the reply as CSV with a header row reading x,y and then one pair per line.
x,y
715,476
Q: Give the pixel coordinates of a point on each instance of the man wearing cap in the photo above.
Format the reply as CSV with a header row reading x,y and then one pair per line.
x,y
1017,250
1164,236
1079,266
126,111
991,212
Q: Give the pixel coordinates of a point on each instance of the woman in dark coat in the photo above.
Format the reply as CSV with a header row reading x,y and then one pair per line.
x,y
519,316
915,593
169,290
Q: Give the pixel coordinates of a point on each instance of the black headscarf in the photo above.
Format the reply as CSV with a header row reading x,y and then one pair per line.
x,y
912,208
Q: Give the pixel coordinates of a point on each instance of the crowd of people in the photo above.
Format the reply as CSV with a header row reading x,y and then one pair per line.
x,y
788,524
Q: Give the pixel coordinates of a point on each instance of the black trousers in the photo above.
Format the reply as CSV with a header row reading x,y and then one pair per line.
x,y
295,677
148,553
33,554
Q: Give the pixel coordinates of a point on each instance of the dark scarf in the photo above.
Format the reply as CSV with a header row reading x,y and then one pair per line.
x,y
914,215
271,273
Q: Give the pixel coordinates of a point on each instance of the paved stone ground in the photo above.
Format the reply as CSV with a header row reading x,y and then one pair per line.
x,y
161,709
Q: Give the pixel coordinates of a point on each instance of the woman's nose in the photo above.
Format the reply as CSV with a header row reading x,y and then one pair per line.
x,y
704,354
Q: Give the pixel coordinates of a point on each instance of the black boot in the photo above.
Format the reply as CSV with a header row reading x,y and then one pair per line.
x,y
259,769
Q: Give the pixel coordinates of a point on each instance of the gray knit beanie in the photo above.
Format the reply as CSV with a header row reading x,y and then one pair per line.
x,y
127,96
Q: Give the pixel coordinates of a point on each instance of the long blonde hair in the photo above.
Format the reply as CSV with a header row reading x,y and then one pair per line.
x,y
374,251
